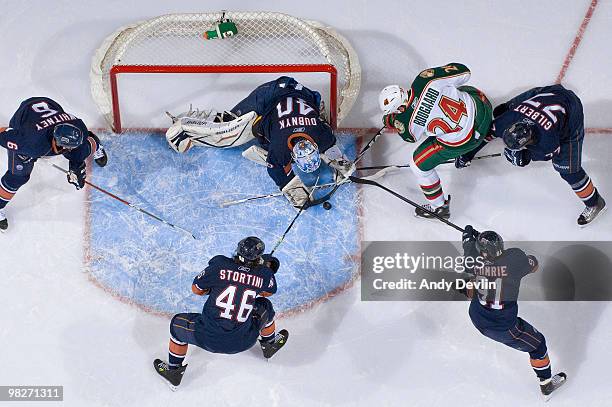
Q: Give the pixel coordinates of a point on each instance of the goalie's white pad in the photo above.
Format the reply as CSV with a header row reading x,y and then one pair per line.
x,y
296,192
256,154
202,128
335,159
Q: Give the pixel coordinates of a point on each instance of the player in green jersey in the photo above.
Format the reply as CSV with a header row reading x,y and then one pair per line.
x,y
445,116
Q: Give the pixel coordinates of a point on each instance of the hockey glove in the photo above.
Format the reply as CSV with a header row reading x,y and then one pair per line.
x,y
273,263
469,234
388,120
77,174
335,159
296,192
463,161
520,158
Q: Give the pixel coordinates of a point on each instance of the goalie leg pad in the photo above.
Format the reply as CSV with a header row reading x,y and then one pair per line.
x,y
187,131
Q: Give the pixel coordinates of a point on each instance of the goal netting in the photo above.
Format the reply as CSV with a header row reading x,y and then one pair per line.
x,y
265,42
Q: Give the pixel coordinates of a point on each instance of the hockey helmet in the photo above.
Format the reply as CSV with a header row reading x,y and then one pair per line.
x,y
250,248
391,98
519,135
490,244
67,136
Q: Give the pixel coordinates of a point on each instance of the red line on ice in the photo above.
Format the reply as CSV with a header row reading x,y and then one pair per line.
x,y
577,39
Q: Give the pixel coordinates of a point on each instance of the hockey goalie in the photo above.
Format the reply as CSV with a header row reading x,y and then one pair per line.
x,y
294,141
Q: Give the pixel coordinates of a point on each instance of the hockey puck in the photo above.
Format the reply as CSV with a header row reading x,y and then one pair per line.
x,y
327,206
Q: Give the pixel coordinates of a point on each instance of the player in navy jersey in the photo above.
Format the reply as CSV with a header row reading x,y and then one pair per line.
x,y
542,124
235,313
494,311
282,113
41,128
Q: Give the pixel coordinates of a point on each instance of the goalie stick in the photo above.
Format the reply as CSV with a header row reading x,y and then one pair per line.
x,y
375,176
304,206
336,185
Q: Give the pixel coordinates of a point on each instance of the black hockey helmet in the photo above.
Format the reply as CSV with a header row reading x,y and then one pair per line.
x,y
519,135
490,244
67,136
250,249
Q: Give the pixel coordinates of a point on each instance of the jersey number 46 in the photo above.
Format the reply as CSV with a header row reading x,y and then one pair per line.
x,y
226,303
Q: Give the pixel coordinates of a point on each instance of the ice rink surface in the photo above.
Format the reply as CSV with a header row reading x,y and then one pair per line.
x,y
59,327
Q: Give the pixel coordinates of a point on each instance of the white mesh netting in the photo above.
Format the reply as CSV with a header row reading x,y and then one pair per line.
x,y
264,38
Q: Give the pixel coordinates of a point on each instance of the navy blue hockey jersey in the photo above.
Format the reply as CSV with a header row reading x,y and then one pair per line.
x,y
232,289
497,307
286,112
556,112
30,130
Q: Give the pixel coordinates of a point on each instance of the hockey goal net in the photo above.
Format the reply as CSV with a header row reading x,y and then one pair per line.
x,y
265,42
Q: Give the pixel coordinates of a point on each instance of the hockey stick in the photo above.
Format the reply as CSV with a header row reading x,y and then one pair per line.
x,y
342,181
308,204
272,195
368,145
334,184
403,198
297,215
331,193
378,167
123,201
374,176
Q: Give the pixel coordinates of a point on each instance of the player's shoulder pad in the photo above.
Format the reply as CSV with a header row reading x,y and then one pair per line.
x,y
451,69
515,252
81,125
218,259
517,256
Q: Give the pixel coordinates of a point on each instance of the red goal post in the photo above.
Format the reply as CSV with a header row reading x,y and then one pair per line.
x,y
266,42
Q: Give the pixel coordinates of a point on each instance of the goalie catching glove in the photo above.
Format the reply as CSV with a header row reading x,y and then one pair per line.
x,y
335,159
210,129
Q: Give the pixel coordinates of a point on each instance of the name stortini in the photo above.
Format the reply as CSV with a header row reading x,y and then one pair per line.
x,y
424,284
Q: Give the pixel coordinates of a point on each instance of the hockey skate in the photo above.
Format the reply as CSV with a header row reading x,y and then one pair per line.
x,y
589,213
552,384
172,377
443,211
269,348
3,221
100,156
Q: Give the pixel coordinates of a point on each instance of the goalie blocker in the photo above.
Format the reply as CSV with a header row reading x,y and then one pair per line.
x,y
281,115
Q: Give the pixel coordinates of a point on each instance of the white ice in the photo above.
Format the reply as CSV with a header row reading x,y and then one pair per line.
x,y
58,328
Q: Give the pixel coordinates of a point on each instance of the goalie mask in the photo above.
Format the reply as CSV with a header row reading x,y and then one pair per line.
x,y
306,156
